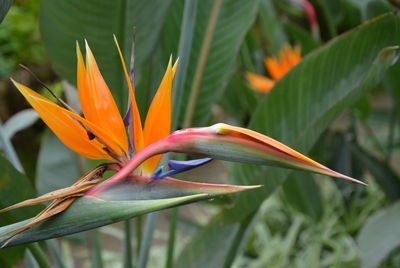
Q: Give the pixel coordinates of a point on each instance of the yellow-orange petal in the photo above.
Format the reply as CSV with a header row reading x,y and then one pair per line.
x,y
259,83
138,139
158,119
97,103
63,125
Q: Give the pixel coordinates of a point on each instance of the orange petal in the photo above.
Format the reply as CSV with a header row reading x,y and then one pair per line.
x,y
174,67
60,122
288,58
274,68
293,56
97,103
137,123
158,119
284,56
260,83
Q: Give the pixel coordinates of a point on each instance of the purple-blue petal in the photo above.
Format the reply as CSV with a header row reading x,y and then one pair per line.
x,y
179,166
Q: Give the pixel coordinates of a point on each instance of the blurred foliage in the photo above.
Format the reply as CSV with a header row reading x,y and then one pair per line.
x,y
19,37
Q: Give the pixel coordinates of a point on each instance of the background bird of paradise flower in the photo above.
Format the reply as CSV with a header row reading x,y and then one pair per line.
x,y
218,42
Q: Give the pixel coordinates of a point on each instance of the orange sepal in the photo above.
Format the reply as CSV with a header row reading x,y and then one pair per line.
x,y
138,139
288,58
97,103
274,68
259,83
158,119
61,123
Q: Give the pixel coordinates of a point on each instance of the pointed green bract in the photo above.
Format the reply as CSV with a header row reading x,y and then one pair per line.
x,y
120,201
145,188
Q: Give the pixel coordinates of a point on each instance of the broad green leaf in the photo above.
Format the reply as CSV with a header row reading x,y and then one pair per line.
x,y
4,7
308,98
384,175
371,8
145,188
234,19
303,193
209,247
120,201
57,166
379,236
239,108
325,19
63,22
392,84
271,27
19,121
14,187
91,212
303,38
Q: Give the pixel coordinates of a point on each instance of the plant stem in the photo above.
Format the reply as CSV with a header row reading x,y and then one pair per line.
x,y
97,258
128,245
147,237
171,238
212,22
185,46
139,230
39,255
53,248
391,134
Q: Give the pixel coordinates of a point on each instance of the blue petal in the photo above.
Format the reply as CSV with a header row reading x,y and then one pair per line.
x,y
157,173
179,166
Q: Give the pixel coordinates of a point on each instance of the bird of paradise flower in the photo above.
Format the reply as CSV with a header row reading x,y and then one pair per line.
x,y
101,134
276,67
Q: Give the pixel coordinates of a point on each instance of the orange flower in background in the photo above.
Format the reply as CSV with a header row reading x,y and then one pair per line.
x,y
276,67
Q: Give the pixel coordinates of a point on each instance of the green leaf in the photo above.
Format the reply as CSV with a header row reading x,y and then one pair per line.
x,y
234,19
209,247
19,121
310,96
239,108
4,7
57,166
325,19
65,21
304,194
120,201
14,187
379,236
271,27
91,212
384,175
306,41
371,8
